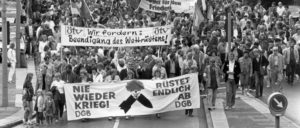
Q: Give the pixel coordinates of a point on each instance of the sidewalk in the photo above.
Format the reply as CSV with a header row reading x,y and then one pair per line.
x,y
249,112
14,113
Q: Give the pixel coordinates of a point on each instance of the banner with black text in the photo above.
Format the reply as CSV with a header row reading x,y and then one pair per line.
x,y
132,97
159,6
80,36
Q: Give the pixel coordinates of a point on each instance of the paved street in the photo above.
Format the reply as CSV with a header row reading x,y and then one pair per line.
x,y
175,119
293,96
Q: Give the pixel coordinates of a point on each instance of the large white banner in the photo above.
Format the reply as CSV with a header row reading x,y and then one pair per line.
x,y
135,97
159,6
80,36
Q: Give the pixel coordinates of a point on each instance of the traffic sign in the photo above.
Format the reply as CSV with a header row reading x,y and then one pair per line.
x,y
277,104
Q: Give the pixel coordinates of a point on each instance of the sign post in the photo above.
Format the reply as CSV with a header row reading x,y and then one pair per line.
x,y
277,105
5,39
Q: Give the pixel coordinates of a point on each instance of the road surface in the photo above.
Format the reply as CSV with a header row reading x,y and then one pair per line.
x,y
174,119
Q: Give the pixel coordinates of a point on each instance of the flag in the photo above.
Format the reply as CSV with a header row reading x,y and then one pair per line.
x,y
210,12
203,3
74,9
81,8
198,16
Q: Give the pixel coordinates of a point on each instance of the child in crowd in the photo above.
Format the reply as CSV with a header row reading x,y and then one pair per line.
x,y
39,107
49,108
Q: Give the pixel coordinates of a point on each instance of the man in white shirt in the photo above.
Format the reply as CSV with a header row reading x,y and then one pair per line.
x,y
280,9
232,71
11,56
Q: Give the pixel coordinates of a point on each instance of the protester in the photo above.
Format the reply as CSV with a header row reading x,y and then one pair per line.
x,y
246,71
39,107
212,74
276,63
257,33
232,72
291,58
259,65
49,108
57,89
28,93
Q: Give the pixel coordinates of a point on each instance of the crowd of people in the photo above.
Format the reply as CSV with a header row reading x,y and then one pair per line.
x,y
264,51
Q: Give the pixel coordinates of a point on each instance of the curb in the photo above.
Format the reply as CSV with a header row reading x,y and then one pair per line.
x,y
207,114
284,117
16,122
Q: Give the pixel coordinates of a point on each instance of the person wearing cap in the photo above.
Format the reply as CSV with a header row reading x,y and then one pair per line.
x,y
246,71
276,64
212,75
259,64
232,72
291,58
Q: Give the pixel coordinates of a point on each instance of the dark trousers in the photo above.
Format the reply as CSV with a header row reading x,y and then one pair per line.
x,y
39,117
259,83
290,72
230,92
61,105
57,113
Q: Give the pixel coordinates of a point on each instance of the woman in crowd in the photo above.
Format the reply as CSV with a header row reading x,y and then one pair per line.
x,y
28,93
58,92
212,75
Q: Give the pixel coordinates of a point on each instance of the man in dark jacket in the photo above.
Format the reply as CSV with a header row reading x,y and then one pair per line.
x,y
232,71
260,63
172,67
68,76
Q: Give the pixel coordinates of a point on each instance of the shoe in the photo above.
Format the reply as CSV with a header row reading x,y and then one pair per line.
x,y
110,118
126,117
209,108
227,108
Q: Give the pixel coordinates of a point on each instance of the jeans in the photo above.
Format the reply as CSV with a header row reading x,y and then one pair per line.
x,y
276,78
244,78
230,92
40,117
212,95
